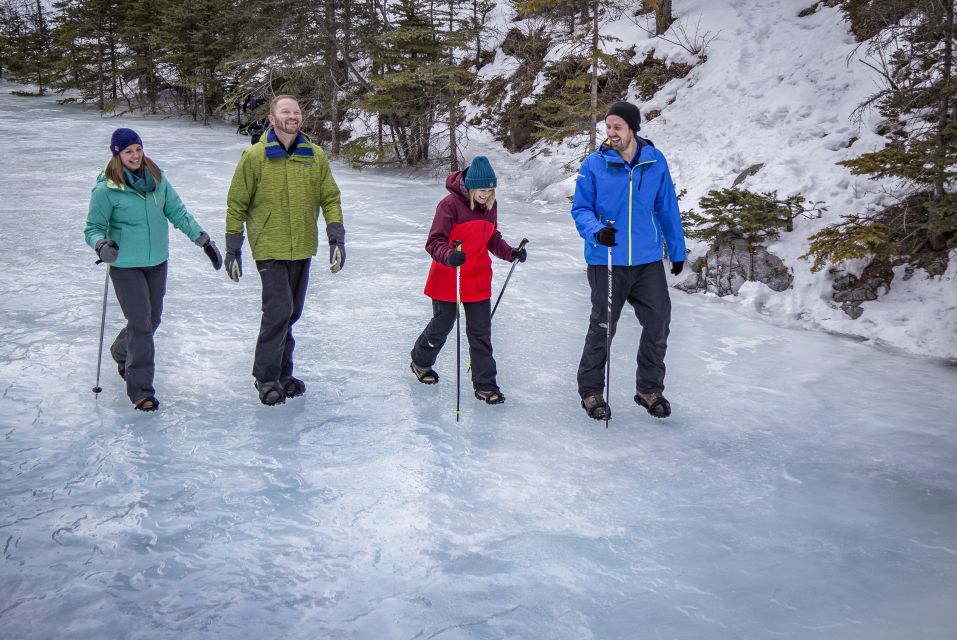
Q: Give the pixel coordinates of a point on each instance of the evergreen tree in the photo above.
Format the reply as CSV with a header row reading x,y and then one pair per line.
x,y
88,41
29,40
920,99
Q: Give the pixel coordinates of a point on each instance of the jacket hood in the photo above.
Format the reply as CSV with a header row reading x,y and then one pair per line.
x,y
455,184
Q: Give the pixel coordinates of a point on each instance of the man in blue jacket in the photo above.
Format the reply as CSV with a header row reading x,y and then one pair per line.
x,y
625,187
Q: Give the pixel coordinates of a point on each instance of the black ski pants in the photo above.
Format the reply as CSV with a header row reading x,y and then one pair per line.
x,y
645,288
140,292
478,329
284,284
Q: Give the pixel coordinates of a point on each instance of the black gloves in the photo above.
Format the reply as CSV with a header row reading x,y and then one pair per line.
x,y
337,245
519,254
676,267
107,250
210,249
456,258
234,258
607,237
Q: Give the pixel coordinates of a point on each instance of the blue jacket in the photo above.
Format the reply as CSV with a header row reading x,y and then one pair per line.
x,y
640,200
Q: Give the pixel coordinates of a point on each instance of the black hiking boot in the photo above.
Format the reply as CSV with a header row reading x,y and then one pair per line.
x,y
655,403
489,396
293,387
146,403
270,393
596,407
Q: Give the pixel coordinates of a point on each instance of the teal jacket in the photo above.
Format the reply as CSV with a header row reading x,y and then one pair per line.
x,y
138,223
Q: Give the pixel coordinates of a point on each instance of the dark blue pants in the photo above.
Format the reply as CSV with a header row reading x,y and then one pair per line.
x,y
478,329
284,284
140,291
645,288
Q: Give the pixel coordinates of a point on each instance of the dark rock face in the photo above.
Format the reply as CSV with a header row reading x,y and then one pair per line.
x,y
726,267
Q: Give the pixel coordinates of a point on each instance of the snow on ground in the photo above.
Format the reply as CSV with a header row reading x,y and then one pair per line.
x,y
804,488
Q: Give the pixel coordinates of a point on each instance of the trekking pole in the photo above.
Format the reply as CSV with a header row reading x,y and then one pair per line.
x,y
458,335
99,353
521,245
608,342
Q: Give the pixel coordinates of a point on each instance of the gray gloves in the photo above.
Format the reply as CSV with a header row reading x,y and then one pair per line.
x,y
107,250
337,245
234,258
210,249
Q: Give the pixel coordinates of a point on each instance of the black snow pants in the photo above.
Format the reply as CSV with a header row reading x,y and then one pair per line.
x,y
645,288
478,329
140,291
284,284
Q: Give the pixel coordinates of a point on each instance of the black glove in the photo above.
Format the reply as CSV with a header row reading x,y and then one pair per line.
x,y
676,267
234,256
210,249
456,258
519,254
607,237
107,250
337,245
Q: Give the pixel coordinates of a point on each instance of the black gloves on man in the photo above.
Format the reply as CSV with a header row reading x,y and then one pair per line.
x,y
519,254
337,245
676,267
456,258
607,236
234,256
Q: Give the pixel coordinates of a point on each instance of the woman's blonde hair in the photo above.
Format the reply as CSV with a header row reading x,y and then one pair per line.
x,y
488,203
114,170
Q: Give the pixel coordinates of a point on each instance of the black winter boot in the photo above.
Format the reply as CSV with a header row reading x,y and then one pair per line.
x,y
270,393
293,387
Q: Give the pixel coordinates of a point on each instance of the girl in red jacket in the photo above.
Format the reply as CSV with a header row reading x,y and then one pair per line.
x,y
468,215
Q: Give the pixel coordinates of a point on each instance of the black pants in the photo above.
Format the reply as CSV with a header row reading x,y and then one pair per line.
x,y
140,291
478,329
284,285
645,288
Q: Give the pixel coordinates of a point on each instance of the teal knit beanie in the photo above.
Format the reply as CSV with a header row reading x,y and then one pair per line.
x,y
479,175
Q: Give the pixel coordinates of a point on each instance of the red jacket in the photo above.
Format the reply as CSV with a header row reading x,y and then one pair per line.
x,y
478,231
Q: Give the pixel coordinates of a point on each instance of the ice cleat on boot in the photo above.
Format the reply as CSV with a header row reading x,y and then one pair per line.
x,y
291,386
656,404
270,393
489,396
425,375
596,407
146,403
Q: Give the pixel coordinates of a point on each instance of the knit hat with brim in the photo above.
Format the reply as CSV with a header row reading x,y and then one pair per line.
x,y
122,138
627,112
479,175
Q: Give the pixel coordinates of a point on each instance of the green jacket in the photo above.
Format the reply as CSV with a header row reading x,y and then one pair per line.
x,y
138,223
278,197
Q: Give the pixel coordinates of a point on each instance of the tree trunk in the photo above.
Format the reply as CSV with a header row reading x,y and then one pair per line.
x,y
593,111
663,17
940,170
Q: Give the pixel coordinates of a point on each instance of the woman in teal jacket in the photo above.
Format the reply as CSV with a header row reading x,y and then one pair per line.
x,y
130,209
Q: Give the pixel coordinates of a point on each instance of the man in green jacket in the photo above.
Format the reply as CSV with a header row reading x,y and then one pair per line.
x,y
278,189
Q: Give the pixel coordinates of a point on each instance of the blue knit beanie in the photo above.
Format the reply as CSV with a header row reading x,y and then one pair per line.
x,y
479,175
122,138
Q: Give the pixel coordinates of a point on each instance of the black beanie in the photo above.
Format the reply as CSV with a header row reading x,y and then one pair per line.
x,y
627,112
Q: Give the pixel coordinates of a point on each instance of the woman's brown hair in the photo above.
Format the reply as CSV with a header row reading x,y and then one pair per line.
x,y
114,170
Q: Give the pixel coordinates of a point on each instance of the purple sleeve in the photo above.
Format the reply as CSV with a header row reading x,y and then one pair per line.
x,y
437,243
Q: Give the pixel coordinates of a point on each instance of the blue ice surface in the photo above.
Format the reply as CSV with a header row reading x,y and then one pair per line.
x,y
804,488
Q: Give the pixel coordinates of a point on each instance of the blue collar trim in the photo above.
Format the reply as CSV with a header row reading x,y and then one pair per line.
x,y
275,150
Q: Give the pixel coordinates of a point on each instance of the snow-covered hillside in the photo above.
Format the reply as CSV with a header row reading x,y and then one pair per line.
x,y
776,89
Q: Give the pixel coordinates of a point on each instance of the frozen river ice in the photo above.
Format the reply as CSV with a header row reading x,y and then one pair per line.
x,y
806,486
